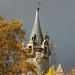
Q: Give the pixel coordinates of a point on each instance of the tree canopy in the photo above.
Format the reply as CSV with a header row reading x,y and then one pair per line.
x,y
13,59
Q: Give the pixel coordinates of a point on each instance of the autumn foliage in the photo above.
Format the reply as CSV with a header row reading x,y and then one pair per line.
x,y
13,59
51,71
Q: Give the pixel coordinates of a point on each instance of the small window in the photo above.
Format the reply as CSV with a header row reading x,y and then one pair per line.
x,y
30,46
45,51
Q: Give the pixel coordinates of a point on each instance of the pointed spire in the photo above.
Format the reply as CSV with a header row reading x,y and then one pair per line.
x,y
36,28
39,2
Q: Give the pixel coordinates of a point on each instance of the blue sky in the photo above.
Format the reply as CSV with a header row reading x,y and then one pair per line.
x,y
56,16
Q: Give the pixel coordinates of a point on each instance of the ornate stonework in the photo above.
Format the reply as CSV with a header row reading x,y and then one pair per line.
x,y
39,46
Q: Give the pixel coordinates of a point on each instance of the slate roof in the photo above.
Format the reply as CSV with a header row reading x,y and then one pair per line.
x,y
37,29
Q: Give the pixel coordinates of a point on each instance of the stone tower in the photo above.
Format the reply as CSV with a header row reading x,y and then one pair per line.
x,y
39,46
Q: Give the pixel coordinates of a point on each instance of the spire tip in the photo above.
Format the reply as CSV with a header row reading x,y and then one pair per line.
x,y
39,2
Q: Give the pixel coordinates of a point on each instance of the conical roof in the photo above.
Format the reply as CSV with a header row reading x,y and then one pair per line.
x,y
59,68
37,29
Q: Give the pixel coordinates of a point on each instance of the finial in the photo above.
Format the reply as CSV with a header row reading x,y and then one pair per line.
x,y
47,33
39,2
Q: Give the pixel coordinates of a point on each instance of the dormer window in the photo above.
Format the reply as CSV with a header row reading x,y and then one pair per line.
x,y
46,43
30,46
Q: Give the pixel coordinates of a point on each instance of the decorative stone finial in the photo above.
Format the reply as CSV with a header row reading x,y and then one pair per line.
x,y
47,33
47,36
39,2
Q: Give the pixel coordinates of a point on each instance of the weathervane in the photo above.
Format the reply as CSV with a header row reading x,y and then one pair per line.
x,y
39,2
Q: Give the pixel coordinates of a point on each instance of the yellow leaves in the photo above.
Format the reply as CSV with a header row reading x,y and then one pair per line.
x,y
51,71
16,23
15,66
11,25
1,19
52,45
18,45
11,37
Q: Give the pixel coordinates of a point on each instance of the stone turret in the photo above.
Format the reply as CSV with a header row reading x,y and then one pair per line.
x,y
39,46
